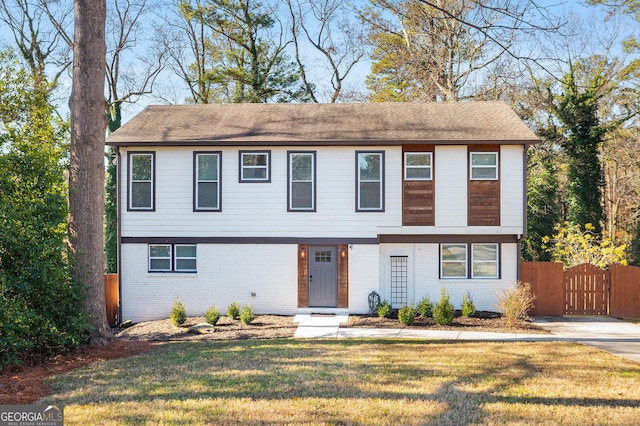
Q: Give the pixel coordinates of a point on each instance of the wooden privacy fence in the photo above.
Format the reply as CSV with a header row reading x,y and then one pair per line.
x,y
111,297
583,289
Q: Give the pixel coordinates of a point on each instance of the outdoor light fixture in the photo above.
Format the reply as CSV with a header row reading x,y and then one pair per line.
x,y
343,252
302,254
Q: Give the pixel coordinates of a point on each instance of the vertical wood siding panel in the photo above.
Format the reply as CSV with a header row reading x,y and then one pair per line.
x,y
418,196
343,276
483,204
303,275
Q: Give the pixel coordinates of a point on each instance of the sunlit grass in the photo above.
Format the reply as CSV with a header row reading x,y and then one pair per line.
x,y
372,382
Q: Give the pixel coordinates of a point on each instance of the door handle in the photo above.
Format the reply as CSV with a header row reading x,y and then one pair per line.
x,y
310,278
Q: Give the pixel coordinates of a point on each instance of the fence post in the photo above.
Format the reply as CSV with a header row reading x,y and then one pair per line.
x,y
111,298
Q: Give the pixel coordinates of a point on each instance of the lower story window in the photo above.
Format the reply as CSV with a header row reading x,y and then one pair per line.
x,y
455,262
484,260
172,258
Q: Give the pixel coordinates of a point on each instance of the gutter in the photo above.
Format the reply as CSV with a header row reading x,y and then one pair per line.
x,y
118,231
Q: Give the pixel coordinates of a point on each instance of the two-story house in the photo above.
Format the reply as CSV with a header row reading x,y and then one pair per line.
x,y
294,206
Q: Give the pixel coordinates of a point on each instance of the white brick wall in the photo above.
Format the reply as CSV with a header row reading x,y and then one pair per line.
x,y
226,273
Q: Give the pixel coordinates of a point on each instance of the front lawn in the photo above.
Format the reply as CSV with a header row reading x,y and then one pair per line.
x,y
367,382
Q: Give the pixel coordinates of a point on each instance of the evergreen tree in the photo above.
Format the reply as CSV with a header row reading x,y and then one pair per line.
x,y
40,304
543,207
577,110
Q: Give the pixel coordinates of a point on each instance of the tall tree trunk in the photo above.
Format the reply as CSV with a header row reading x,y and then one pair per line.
x,y
86,171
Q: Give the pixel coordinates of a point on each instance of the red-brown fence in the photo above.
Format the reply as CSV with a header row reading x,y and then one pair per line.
x,y
111,297
625,291
583,289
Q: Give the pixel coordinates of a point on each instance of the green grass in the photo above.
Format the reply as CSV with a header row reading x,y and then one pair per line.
x,y
372,382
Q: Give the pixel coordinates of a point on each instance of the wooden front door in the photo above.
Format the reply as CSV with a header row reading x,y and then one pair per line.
x,y
323,276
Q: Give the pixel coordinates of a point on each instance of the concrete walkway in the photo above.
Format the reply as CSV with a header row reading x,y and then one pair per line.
x,y
617,337
328,326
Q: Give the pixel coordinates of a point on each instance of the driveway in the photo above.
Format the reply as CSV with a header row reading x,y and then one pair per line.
x,y
615,336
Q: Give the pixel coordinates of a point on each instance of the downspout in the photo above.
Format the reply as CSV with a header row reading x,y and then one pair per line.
x,y
118,231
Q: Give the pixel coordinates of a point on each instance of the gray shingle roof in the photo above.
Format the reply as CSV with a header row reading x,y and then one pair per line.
x,y
324,124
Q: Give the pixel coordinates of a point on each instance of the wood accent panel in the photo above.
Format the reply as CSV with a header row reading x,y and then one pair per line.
x,y
303,275
343,276
483,196
418,197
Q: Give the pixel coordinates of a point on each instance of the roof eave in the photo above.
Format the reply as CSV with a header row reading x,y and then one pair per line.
x,y
358,142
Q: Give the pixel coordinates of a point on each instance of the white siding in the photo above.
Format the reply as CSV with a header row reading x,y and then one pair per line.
x,y
450,175
260,209
512,187
226,273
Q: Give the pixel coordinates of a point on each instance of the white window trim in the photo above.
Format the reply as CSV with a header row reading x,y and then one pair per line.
x,y
471,166
150,180
380,208
163,258
176,258
173,258
266,167
496,261
429,167
311,154
197,180
466,262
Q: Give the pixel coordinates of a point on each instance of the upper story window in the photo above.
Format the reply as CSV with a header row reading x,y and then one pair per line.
x,y
255,166
141,181
172,258
417,166
370,181
206,185
484,166
302,181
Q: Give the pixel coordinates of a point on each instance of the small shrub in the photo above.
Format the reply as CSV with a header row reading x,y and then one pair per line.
x,y
212,315
233,310
406,315
425,307
178,314
468,307
515,303
247,315
384,309
444,311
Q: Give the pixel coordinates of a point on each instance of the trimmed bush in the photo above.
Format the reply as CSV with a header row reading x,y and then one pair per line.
x,y
384,309
233,310
425,307
515,303
178,314
407,315
247,315
444,312
213,315
468,307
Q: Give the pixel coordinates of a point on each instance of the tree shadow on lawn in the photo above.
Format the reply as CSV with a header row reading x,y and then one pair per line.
x,y
458,375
